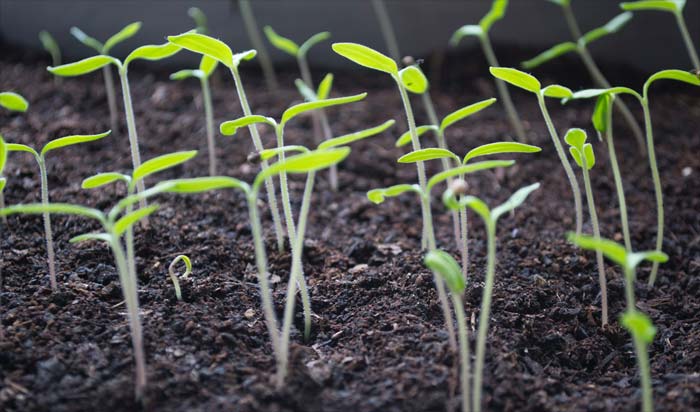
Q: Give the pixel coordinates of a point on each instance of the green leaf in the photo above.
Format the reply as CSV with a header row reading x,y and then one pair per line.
x,y
16,147
72,140
447,268
132,218
420,130
498,10
515,200
576,137
475,204
3,183
304,163
298,109
613,26
207,65
639,325
549,54
126,33
13,101
498,148
576,154
464,112
84,66
517,78
467,169
423,155
590,93
414,80
186,74
367,57
206,45
312,41
3,155
600,113
160,163
282,43
678,75
246,55
353,137
53,208
378,196
102,179
49,44
230,127
464,31
305,91
324,88
203,184
612,250
91,236
268,154
87,40
558,92
200,19
589,155
634,259
673,6
152,52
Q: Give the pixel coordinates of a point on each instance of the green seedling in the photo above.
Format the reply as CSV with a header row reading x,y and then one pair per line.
x,y
114,224
636,322
481,31
584,157
14,103
126,33
206,67
200,20
251,27
41,161
676,8
148,52
174,276
218,50
51,46
378,196
490,217
530,83
445,266
387,28
580,46
643,99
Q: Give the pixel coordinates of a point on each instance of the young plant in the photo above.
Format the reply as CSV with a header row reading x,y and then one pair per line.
x,y
387,29
643,99
637,323
14,103
218,50
251,27
41,161
676,8
490,217
51,46
580,46
530,83
200,19
206,67
496,13
104,48
584,157
174,277
148,52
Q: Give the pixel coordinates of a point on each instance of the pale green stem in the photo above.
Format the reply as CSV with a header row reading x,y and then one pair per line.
x,y
2,206
657,187
463,350
688,40
129,237
251,27
387,29
618,184
131,126
47,223
209,119
284,188
644,373
503,92
111,98
484,314
333,170
571,22
464,242
565,163
257,143
596,233
629,289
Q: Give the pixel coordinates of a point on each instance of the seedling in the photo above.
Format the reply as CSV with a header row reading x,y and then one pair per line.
x,y
14,103
126,33
445,266
251,27
636,322
530,83
490,217
200,19
387,29
580,46
584,157
174,276
672,6
643,99
41,161
481,31
206,67
51,46
218,50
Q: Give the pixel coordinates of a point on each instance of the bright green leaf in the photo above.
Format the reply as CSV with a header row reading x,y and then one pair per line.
x,y
499,148
673,6
13,101
517,78
304,163
634,259
464,31
589,155
282,43
91,236
498,10
464,112
126,33
3,155
246,55
515,200
414,80
467,169
152,52
160,163
420,130
639,325
678,75
53,208
612,250
312,41
72,140
207,65
367,57
84,66
423,155
378,196
230,127
16,147
132,218
324,88
576,137
102,179
298,109
353,137
601,111
475,204
203,184
186,74
447,268
268,154
549,54
558,92
3,182
206,45
576,154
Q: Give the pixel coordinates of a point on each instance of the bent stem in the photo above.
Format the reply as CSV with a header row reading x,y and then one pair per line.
x,y
133,136
565,163
111,98
463,349
47,223
209,119
688,40
657,187
618,183
596,233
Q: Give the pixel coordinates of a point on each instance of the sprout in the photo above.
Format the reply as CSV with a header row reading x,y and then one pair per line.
x,y
174,276
13,102
387,29
51,46
206,67
643,99
637,323
582,153
530,83
103,49
490,217
200,19
41,161
672,6
218,50
496,13
251,27
580,45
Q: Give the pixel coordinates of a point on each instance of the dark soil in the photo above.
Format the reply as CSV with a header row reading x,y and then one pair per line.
x,y
378,342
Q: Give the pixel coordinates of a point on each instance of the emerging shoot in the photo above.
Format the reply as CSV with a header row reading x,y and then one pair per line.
x,y
174,277
51,46
251,26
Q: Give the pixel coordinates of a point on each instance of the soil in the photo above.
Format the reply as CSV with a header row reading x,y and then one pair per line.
x,y
378,342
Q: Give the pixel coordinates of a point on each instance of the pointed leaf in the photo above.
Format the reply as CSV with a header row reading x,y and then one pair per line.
x,y
298,109
304,163
613,26
420,130
246,55
72,140
600,113
353,137
514,201
498,10
590,93
207,65
423,155
102,179
517,78
160,163
186,74
104,237
152,52
84,66
203,184
367,57
447,268
13,101
464,31
634,259
16,147
477,205
673,6
414,80
498,148
558,92
268,154
126,33
678,75
612,250
282,43
467,169
53,208
378,196
324,88
206,45
464,112
230,127
639,325
549,54
132,218
87,40
3,154
312,41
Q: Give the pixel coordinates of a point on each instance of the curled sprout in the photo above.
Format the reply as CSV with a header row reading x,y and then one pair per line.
x,y
174,276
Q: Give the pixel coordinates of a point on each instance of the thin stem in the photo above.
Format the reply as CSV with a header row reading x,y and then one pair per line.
x,y
129,237
571,22
565,163
464,243
284,188
484,314
328,133
251,27
629,289
503,92
596,233
131,126
209,119
463,350
640,347
387,29
618,183
257,143
688,40
47,223
111,98
658,193
2,206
